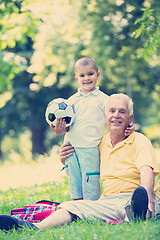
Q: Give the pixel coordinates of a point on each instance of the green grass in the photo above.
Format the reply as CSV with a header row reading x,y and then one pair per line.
x,y
86,230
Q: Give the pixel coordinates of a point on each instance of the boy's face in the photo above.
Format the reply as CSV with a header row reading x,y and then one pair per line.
x,y
87,78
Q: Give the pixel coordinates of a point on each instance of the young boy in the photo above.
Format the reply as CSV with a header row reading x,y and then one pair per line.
x,y
86,132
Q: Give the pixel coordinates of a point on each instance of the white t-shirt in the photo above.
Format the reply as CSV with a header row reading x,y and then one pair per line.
x,y
87,128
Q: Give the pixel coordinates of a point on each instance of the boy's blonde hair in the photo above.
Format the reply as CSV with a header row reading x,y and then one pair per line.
x,y
86,61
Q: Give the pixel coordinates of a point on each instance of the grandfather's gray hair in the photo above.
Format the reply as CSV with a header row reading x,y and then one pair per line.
x,y
124,96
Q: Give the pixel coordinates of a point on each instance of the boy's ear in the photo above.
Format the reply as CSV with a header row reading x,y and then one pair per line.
x,y
76,78
98,74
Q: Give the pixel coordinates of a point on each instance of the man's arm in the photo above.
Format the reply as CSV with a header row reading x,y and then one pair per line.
x,y
66,150
147,181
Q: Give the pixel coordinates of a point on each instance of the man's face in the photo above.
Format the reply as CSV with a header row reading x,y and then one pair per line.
x,y
117,114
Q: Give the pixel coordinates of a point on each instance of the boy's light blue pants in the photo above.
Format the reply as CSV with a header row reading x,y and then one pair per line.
x,y
83,171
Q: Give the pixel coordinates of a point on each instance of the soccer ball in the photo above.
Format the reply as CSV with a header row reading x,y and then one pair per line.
x,y
59,108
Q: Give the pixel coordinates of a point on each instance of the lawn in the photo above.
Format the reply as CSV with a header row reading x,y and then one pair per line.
x,y
58,191
77,230
24,184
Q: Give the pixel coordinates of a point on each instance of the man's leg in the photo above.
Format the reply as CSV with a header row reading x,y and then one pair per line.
x,y
139,203
57,218
157,207
107,208
8,223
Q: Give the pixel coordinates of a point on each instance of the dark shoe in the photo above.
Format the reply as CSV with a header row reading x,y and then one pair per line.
x,y
139,203
7,223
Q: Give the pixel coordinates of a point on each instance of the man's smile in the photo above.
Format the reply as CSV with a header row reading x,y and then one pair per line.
x,y
116,121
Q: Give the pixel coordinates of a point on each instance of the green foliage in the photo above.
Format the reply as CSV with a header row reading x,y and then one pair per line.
x,y
149,31
11,65
17,149
152,132
40,42
106,38
57,41
17,28
17,25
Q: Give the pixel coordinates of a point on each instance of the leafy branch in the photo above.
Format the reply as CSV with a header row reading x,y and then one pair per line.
x,y
149,30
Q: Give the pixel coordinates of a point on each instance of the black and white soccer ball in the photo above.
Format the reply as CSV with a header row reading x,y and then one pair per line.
x,y
59,108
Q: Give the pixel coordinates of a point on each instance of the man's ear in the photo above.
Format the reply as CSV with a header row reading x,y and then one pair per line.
x,y
131,118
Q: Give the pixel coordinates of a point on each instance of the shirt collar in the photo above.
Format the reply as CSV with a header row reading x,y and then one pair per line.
x,y
128,140
95,92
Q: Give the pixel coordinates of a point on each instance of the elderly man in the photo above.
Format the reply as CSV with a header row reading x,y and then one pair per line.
x,y
129,172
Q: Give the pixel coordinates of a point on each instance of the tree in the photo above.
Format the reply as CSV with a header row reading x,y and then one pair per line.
x,y
103,31
148,30
40,42
27,99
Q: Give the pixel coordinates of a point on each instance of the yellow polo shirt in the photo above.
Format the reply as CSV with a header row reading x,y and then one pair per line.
x,y
120,164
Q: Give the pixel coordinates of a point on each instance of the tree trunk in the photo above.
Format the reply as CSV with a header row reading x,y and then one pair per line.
x,y
38,136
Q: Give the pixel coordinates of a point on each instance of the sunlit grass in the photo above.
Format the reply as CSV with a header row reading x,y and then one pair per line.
x,y
45,169
19,169
16,174
28,182
80,230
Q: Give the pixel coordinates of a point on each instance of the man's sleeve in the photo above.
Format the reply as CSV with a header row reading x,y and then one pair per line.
x,y
146,156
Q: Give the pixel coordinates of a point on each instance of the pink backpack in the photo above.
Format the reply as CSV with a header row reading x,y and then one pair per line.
x,y
35,212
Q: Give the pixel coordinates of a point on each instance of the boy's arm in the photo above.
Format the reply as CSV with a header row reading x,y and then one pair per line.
x,y
60,127
130,129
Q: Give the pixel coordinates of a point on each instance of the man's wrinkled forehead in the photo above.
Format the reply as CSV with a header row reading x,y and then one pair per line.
x,y
117,103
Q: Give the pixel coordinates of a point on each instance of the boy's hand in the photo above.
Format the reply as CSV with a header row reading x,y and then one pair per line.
x,y
130,129
60,127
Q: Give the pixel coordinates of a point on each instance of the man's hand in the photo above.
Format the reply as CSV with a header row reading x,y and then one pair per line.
x,y
130,129
60,127
66,150
150,211
147,181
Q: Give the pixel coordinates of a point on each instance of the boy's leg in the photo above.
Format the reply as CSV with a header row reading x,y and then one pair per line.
x,y
90,165
75,177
